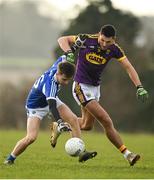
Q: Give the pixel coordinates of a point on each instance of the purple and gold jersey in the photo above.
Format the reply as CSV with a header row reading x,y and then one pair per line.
x,y
92,60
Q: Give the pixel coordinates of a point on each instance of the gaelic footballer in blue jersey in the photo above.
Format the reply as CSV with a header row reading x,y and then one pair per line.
x,y
94,53
43,99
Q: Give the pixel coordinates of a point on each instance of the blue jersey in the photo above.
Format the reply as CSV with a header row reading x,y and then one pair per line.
x,y
44,88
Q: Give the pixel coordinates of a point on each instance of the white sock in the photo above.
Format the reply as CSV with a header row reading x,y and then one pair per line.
x,y
13,155
125,153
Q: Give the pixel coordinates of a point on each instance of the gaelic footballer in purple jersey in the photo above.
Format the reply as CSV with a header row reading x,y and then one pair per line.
x,y
92,60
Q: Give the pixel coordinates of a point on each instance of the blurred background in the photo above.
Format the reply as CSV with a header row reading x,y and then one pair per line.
x,y
28,46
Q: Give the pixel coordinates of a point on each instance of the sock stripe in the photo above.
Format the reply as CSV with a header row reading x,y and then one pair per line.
x,y
11,158
122,148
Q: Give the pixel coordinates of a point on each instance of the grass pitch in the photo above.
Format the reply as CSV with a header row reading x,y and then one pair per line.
x,y
40,161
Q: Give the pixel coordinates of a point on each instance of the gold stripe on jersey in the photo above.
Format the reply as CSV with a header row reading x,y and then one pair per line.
x,y
121,59
124,56
92,35
120,48
79,93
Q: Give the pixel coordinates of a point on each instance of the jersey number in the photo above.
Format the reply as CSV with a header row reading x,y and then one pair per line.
x,y
38,81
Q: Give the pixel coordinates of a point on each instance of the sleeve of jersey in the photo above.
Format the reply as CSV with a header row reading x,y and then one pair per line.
x,y
60,59
119,53
76,36
50,89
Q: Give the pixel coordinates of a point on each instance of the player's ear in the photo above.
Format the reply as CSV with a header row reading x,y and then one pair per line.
x,y
114,38
59,72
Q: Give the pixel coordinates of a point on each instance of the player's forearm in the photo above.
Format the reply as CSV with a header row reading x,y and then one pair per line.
x,y
65,43
134,76
53,109
131,72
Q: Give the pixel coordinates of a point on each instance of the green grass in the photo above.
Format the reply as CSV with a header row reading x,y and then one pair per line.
x,y
40,161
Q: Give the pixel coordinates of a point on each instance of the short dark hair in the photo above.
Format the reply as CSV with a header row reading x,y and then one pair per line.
x,y
67,68
108,30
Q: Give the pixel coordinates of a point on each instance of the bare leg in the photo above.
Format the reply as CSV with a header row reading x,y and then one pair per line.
x,y
102,116
33,125
87,120
68,116
72,119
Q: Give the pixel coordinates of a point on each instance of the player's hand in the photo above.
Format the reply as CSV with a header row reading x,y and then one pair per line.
x,y
142,94
49,115
70,56
63,126
80,40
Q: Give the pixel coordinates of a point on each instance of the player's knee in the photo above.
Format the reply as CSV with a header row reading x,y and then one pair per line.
x,y
86,127
30,139
108,123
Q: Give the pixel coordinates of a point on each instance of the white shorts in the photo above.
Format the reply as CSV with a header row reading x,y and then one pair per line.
x,y
85,92
41,112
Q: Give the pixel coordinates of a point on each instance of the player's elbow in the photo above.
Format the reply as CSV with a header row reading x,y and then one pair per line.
x,y
61,39
65,40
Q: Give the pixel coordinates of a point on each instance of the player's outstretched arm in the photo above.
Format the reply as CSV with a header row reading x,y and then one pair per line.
x,y
141,93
